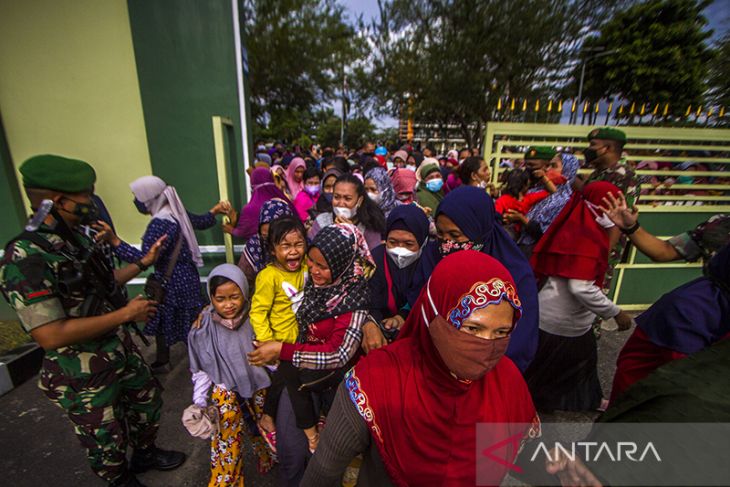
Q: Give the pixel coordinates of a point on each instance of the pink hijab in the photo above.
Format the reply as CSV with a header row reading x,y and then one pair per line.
x,y
294,186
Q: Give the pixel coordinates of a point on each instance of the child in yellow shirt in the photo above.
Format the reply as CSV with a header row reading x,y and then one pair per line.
x,y
279,288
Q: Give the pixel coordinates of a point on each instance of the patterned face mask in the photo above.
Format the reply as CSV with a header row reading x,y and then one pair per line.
x,y
447,247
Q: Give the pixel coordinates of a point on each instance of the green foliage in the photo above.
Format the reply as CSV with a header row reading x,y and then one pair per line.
x,y
321,126
297,51
358,130
455,58
662,55
719,79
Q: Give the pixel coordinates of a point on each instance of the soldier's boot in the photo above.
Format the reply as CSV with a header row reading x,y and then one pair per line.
x,y
128,480
155,458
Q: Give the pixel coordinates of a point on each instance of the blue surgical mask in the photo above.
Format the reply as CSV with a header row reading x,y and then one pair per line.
x,y
434,185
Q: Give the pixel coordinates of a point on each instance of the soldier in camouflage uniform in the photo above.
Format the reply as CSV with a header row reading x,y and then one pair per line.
x,y
91,369
604,153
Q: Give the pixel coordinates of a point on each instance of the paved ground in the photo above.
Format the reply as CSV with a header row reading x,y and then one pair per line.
x,y
38,447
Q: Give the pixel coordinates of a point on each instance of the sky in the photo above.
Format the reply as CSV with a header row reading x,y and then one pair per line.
x,y
717,13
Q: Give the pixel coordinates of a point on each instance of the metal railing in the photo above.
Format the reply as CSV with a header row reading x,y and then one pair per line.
x,y
667,214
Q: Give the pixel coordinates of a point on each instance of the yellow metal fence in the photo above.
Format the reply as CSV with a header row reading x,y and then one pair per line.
x,y
639,282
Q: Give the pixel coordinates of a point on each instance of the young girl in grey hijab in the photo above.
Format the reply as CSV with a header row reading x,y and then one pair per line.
x,y
222,375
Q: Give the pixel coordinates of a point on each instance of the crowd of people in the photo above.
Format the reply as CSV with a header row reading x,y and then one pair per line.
x,y
386,301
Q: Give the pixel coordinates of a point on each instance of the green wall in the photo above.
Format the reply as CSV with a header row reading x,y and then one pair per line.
x,y
644,286
187,73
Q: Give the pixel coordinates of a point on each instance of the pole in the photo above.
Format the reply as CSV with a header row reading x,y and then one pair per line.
x,y
580,84
342,122
243,99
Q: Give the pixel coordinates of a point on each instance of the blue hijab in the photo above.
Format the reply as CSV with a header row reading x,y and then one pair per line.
x,y
693,316
545,211
472,210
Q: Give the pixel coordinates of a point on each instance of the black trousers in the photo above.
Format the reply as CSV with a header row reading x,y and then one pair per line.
x,y
300,384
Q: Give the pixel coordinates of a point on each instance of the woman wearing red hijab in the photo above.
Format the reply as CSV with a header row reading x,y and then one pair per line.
x,y
412,407
571,258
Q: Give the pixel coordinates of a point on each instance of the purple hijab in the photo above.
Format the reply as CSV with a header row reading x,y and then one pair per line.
x,y
264,189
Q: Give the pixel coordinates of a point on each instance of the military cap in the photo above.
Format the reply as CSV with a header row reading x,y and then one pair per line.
x,y
58,173
544,153
607,133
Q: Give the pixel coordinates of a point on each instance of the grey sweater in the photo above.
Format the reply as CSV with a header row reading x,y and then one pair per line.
x,y
345,436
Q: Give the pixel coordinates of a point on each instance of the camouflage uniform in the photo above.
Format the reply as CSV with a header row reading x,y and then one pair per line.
x,y
704,240
104,385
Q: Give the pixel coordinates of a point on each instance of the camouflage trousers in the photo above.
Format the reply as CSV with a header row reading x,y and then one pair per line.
x,y
110,396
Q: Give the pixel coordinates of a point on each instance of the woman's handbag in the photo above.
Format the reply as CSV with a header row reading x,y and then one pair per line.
x,y
201,422
154,288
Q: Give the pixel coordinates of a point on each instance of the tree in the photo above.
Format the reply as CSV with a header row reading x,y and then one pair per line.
x,y
328,131
358,131
719,79
661,55
297,52
449,61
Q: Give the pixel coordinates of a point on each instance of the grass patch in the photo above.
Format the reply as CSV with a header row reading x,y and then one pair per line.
x,y
11,336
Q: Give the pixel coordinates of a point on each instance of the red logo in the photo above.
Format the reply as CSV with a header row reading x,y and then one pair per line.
x,y
514,441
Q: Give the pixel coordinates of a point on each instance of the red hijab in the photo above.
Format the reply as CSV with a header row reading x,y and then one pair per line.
x,y
404,181
575,246
421,418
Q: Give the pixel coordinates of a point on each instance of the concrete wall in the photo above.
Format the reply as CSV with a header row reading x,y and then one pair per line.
x,y
68,85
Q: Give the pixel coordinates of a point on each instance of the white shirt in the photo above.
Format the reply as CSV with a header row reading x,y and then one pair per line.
x,y
569,306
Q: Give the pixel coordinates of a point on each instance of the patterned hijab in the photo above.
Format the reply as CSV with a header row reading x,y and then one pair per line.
x,y
255,250
545,211
347,255
385,188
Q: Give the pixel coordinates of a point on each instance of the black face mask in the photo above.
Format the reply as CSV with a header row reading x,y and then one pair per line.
x,y
87,213
590,155
141,207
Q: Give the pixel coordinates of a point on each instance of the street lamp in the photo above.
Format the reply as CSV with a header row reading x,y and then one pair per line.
x,y
583,69
600,54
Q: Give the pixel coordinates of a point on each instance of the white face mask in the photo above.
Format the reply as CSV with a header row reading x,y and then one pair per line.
x,y
483,184
376,197
346,213
402,256
411,168
601,219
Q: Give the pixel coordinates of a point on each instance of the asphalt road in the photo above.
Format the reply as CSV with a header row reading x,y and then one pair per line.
x,y
38,447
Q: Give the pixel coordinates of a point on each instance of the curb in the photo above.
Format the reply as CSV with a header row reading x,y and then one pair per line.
x,y
19,365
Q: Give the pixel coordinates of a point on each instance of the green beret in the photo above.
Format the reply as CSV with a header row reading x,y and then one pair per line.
x,y
58,173
544,153
607,133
